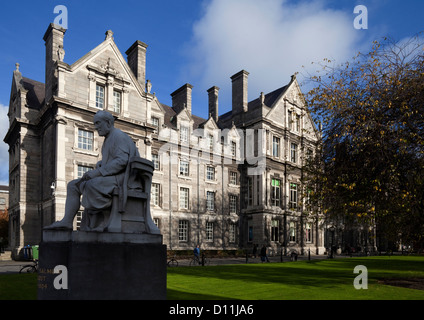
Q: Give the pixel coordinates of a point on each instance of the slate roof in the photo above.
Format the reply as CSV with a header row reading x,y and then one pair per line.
x,y
36,93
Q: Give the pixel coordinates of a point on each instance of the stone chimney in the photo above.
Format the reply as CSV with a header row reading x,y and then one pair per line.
x,y
239,84
213,102
136,56
54,52
181,98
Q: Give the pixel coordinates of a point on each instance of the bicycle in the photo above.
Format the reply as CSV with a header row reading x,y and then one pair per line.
x,y
195,261
30,268
173,262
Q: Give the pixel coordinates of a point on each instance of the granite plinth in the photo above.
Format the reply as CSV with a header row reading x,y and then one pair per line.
x,y
101,237
96,268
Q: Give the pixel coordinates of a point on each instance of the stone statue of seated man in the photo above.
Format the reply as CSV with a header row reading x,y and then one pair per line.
x,y
97,186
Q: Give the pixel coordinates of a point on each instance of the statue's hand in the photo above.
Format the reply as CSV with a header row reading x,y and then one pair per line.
x,y
91,174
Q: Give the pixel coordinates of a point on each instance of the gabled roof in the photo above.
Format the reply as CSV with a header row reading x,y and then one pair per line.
x,y
36,93
170,113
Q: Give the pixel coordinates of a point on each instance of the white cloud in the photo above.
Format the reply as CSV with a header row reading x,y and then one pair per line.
x,y
271,39
4,153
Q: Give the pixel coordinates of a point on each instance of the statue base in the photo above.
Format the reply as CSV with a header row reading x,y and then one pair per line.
x,y
75,265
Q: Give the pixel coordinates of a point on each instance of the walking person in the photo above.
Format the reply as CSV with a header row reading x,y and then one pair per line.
x,y
196,253
263,254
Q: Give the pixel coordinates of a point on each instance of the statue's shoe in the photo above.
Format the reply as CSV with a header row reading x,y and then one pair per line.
x,y
59,225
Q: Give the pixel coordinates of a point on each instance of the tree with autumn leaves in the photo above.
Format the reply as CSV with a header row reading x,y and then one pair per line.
x,y
370,164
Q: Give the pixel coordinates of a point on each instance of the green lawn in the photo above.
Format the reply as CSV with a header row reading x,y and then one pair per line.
x,y
317,279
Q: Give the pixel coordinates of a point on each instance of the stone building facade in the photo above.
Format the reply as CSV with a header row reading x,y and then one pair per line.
x,y
226,182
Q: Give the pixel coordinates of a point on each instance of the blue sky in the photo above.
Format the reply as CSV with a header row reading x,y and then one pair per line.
x,y
201,42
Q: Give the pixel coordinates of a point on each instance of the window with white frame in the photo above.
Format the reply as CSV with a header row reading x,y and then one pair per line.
x,y
184,168
233,203
100,96
210,141
233,148
275,146
156,221
293,196
156,161
183,230
233,177
210,173
210,200
184,196
155,121
117,101
85,139
155,194
209,231
293,152
184,134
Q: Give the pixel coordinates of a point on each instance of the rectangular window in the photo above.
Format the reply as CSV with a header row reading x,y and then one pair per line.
x,y
233,148
292,232
183,230
155,122
209,231
155,160
293,196
184,193
249,191
183,134
210,201
85,139
297,124
82,170
100,96
293,152
289,120
210,141
275,146
233,203
116,101
232,232
308,231
233,177
275,192
155,194
184,168
275,230
249,231
210,173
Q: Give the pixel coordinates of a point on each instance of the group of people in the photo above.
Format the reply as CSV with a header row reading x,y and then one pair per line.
x,y
263,253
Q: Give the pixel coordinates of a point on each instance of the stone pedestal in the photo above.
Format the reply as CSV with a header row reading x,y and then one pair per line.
x,y
101,266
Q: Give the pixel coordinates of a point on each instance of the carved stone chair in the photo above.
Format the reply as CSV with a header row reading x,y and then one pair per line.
x,y
130,210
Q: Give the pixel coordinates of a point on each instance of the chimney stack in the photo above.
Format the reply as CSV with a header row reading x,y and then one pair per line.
x,y
181,98
54,50
213,102
136,56
239,84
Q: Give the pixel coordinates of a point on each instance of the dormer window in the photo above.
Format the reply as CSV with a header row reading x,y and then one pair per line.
x,y
100,96
183,134
117,101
